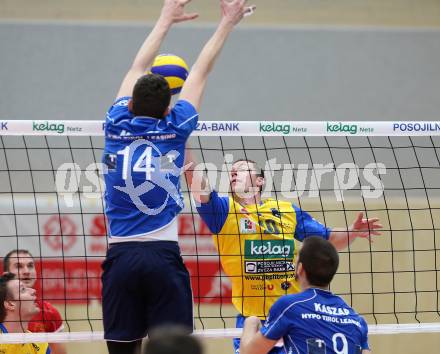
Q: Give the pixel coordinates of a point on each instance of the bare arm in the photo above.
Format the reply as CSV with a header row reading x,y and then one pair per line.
x,y
194,86
361,227
365,351
172,12
252,341
197,183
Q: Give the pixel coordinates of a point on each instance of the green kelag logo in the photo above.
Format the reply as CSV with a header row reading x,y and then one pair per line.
x,y
343,128
268,249
272,127
48,127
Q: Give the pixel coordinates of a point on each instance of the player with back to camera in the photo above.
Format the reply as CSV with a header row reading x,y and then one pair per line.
x,y
258,239
21,263
145,283
314,321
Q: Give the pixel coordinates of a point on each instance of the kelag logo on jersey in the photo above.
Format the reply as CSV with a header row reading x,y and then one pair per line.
x,y
269,256
268,249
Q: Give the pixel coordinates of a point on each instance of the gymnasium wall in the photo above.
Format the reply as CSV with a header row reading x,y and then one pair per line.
x,y
72,71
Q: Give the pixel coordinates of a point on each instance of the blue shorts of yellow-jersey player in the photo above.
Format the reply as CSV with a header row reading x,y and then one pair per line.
x,y
144,285
278,349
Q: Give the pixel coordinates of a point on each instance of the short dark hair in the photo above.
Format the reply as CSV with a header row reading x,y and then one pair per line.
x,y
7,258
151,96
320,260
4,293
172,340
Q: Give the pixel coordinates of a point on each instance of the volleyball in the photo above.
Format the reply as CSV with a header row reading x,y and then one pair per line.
x,y
173,68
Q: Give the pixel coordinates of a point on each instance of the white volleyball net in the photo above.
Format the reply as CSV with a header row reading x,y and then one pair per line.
x,y
51,186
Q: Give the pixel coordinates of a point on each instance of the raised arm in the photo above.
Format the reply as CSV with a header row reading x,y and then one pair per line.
x,y
172,12
232,13
197,183
364,228
252,341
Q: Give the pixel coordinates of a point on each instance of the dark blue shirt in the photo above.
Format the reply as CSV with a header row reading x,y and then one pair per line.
x,y
316,322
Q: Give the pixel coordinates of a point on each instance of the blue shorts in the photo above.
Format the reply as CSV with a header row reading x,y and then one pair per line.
x,y
144,285
240,324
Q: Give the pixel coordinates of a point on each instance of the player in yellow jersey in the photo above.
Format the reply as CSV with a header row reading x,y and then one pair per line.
x,y
258,240
18,306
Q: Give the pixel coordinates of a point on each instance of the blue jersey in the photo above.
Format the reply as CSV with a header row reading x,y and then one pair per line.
x,y
144,158
316,322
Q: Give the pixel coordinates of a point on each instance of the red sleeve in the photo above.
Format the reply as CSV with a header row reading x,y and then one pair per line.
x,y
48,320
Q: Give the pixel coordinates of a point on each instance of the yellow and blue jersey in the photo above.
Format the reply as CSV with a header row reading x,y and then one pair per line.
x,y
258,246
316,321
144,157
25,348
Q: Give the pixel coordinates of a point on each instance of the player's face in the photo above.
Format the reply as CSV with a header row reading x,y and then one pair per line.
x,y
24,297
23,266
244,178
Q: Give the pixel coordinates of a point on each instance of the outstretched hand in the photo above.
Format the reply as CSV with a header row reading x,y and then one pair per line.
x,y
174,11
235,10
365,228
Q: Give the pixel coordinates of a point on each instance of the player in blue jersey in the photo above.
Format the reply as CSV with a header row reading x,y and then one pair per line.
x,y
314,321
145,283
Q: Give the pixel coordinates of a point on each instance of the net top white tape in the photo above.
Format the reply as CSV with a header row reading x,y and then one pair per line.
x,y
206,333
234,128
